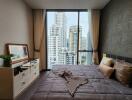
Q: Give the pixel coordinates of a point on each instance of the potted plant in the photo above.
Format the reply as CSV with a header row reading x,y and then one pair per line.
x,y
6,59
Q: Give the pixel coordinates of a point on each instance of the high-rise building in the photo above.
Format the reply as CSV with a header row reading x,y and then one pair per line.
x,y
73,39
70,58
57,40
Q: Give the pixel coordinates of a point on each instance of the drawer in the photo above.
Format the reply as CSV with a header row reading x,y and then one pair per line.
x,y
35,67
21,81
34,74
17,84
25,82
25,79
25,74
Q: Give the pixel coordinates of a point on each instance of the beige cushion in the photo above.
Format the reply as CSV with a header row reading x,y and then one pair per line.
x,y
106,70
123,72
107,61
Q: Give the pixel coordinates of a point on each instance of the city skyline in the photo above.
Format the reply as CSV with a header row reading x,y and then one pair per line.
x,y
72,20
63,38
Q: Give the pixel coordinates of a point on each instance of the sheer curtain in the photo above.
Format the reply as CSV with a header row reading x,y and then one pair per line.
x,y
94,18
39,37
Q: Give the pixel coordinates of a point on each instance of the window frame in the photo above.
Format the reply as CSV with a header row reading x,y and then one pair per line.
x,y
66,10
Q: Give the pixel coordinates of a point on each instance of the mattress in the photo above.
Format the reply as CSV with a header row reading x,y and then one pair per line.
x,y
98,88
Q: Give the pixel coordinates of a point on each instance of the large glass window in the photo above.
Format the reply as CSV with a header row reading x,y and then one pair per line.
x,y
67,34
85,47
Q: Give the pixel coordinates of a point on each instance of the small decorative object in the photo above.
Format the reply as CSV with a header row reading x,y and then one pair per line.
x,y
1,62
6,59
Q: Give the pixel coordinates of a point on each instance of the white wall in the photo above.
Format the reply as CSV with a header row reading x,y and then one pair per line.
x,y
16,25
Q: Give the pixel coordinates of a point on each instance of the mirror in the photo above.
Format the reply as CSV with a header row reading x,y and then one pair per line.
x,y
19,51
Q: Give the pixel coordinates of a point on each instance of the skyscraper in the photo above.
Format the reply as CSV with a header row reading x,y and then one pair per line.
x,y
57,40
73,39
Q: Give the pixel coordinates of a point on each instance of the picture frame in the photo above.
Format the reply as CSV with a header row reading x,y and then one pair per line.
x,y
19,51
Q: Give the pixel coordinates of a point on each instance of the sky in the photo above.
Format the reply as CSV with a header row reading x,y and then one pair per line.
x,y
71,20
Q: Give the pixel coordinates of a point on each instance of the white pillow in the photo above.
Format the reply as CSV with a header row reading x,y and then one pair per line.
x,y
106,70
107,61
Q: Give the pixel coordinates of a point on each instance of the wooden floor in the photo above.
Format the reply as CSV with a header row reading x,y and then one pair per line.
x,y
27,93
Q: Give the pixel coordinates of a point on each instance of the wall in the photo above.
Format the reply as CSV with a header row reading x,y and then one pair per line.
x,y
116,28
16,25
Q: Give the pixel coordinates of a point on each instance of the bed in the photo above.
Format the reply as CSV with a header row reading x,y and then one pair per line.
x,y
98,87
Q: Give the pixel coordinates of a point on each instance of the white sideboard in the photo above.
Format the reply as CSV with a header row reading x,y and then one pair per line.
x,y
14,80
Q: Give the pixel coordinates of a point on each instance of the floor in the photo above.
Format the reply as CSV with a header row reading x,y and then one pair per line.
x,y
32,88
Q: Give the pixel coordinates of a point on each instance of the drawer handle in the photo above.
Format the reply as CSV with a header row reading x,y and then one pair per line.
x,y
23,83
23,74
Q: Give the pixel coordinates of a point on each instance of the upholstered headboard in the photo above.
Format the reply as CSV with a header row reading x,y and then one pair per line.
x,y
119,57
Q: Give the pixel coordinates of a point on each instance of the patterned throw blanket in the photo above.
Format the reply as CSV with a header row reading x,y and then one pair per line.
x,y
72,82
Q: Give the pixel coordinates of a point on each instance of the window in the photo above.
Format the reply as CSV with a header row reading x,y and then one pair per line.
x,y
68,38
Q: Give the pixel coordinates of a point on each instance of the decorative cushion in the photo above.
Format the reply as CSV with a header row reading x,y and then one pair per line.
x,y
107,61
106,70
118,60
123,72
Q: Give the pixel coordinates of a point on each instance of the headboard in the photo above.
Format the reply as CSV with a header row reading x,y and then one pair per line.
x,y
119,57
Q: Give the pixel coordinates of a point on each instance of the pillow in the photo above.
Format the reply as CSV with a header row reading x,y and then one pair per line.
x,y
118,60
107,61
106,70
123,72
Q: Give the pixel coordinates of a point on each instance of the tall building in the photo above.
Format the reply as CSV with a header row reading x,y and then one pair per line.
x,y
73,39
70,58
57,40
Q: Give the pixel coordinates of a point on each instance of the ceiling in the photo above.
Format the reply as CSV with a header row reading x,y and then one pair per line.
x,y
67,4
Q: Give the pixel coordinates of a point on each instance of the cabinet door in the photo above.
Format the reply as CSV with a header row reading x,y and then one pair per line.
x,y
25,79
17,84
34,71
21,81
